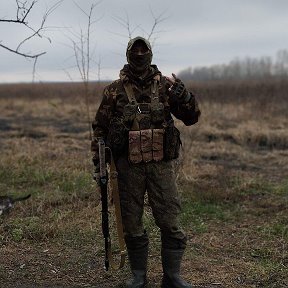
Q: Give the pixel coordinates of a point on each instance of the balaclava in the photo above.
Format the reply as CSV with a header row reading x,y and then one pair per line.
x,y
139,63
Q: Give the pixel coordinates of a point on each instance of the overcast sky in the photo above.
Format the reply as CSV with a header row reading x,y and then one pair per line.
x,y
194,33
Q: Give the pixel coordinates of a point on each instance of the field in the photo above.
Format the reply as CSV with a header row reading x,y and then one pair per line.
x,y
232,176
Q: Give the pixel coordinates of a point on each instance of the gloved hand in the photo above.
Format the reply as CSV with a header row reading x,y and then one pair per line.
x,y
178,90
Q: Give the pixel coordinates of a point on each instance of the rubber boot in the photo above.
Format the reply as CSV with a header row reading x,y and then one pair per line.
x,y
171,262
137,248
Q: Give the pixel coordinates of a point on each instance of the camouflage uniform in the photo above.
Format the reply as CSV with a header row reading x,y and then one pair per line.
x,y
157,178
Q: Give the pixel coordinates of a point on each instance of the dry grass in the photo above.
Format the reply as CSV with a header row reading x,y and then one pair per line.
x,y
232,176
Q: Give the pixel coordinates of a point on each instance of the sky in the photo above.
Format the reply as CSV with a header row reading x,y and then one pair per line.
x,y
193,33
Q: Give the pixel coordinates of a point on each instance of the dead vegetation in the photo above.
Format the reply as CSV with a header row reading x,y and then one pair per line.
x,y
232,177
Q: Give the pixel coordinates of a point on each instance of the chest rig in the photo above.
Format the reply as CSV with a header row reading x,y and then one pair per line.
x,y
146,125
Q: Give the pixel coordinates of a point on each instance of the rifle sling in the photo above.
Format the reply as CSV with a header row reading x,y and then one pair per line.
x,y
120,233
154,90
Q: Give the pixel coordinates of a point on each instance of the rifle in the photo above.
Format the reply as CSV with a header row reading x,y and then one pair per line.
x,y
105,178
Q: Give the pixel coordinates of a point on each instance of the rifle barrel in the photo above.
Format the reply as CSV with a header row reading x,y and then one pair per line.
x,y
104,200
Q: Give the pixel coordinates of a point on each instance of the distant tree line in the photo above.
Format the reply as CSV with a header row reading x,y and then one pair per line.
x,y
242,69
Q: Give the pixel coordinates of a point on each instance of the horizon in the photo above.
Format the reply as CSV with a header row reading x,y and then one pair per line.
x,y
179,72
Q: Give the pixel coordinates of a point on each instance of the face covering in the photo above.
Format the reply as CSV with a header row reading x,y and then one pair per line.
x,y
139,63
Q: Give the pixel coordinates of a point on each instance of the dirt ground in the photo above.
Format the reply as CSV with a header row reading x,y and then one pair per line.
x,y
233,179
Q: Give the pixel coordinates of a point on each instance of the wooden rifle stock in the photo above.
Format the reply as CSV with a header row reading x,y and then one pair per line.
x,y
112,178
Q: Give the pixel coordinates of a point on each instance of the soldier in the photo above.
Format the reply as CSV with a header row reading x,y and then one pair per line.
x,y
135,120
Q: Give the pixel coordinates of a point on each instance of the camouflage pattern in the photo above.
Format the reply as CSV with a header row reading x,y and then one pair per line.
x,y
157,145
132,41
115,99
135,155
156,177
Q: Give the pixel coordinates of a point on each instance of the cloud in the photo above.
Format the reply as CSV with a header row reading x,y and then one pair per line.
x,y
195,33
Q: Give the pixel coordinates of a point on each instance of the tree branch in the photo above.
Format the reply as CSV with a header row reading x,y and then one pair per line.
x,y
125,22
23,54
82,54
23,11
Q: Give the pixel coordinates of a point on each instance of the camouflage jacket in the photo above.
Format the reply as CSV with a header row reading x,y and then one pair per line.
x,y
115,98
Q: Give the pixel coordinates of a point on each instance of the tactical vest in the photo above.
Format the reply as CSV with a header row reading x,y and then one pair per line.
x,y
146,122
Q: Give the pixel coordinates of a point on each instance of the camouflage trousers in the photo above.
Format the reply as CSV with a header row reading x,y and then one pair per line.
x,y
158,180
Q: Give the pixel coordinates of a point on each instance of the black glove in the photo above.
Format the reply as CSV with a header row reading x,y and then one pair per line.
x,y
178,90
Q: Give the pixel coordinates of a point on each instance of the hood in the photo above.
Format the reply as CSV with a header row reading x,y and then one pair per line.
x,y
138,38
126,74
139,63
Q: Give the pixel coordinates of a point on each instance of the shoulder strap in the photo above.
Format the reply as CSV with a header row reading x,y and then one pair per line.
x,y
119,224
129,91
155,90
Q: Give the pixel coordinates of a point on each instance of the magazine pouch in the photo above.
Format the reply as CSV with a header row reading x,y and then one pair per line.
x,y
172,143
158,142
135,155
146,145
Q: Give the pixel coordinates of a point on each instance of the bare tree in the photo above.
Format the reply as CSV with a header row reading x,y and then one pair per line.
x,y
125,22
23,11
281,65
151,35
241,69
83,55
